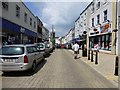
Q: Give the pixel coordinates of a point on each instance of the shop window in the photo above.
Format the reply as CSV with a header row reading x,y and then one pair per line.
x,y
102,42
99,42
17,11
5,5
106,40
110,42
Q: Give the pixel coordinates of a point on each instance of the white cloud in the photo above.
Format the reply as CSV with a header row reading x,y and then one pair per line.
x,y
62,15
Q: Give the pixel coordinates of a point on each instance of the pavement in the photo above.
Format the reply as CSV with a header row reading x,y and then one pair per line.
x,y
105,66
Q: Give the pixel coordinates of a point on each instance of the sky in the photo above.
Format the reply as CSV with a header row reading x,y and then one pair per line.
x,y
60,14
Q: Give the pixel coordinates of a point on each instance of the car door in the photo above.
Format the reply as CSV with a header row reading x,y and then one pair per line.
x,y
38,56
30,55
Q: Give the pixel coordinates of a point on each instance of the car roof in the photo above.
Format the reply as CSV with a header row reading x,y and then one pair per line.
x,y
21,45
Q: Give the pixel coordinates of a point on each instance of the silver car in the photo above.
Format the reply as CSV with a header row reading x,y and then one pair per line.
x,y
19,57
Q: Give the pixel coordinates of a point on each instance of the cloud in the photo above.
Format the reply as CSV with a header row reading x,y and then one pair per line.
x,y
62,15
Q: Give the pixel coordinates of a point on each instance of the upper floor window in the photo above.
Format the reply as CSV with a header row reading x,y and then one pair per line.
x,y
98,18
34,24
92,22
5,5
92,8
105,15
105,1
17,11
25,17
31,21
98,5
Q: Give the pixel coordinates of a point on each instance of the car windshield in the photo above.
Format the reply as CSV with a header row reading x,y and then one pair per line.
x,y
41,45
11,50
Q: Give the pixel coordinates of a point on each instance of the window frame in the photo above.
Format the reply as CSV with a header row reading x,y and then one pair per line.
x,y
17,11
105,15
25,17
92,22
98,19
5,5
30,21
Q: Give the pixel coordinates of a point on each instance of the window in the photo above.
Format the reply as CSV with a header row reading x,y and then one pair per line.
x,y
104,2
25,17
29,49
98,18
14,50
34,25
92,22
5,5
105,15
92,8
98,5
17,11
31,21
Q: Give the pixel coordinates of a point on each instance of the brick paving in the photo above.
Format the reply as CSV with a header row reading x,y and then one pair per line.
x,y
105,66
59,70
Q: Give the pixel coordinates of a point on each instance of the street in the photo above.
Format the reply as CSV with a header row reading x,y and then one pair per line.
x,y
59,70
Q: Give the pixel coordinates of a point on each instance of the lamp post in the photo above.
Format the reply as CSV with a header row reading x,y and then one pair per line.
x,y
115,38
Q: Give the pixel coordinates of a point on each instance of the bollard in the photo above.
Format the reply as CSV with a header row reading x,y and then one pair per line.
x,y
96,58
89,54
92,56
116,65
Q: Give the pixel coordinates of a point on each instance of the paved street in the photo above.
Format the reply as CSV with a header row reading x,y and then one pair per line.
x,y
59,70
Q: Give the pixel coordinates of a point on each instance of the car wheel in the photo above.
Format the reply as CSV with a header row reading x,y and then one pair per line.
x,y
33,66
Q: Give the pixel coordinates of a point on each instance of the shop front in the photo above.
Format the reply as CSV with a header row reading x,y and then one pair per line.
x,y
15,34
101,37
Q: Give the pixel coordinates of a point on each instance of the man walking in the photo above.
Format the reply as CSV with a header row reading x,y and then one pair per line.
x,y
75,48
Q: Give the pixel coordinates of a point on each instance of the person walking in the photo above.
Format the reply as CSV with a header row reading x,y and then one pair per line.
x,y
75,48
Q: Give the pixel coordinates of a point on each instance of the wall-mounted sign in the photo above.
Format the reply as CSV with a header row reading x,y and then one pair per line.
x,y
104,28
22,29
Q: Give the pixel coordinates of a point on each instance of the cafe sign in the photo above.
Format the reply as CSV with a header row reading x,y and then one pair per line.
x,y
105,28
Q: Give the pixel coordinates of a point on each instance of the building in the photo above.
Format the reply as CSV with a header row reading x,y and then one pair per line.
x,y
19,25
77,28
40,30
84,23
102,26
45,34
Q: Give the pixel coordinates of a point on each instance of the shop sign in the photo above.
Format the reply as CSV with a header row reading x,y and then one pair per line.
x,y
22,29
104,28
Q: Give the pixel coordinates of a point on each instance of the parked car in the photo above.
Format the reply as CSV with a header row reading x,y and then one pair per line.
x,y
44,48
19,57
41,48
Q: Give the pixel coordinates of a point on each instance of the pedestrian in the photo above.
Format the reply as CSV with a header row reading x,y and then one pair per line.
x,y
75,48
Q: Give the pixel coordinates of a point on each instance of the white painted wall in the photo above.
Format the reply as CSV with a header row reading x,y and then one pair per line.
x,y
11,15
108,7
83,21
77,28
45,33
